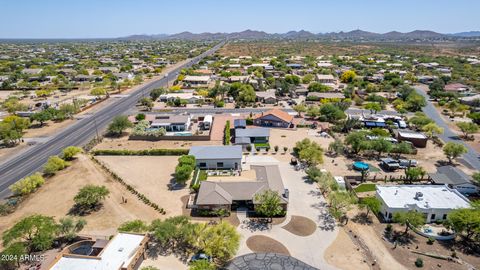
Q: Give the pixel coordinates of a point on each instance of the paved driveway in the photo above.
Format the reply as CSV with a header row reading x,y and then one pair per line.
x,y
471,157
306,201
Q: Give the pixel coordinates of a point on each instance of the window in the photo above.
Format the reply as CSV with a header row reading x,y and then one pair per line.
x,y
219,164
432,217
202,165
444,216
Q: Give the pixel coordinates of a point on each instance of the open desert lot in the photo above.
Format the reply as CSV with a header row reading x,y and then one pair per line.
x,y
152,176
55,199
124,143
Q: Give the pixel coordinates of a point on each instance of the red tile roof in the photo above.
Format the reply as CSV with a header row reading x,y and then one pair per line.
x,y
277,113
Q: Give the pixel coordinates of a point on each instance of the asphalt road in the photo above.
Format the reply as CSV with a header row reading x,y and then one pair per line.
x,y
471,157
80,133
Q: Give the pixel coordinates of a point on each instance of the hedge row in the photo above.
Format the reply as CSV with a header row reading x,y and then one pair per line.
x,y
147,152
139,195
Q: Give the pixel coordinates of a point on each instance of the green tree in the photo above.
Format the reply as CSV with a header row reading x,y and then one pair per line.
x,y
201,265
308,78
331,112
336,147
70,152
476,178
54,164
414,174
374,107
318,87
70,227
402,148
465,221
292,79
411,217
147,103
300,108
467,128
419,120
37,232
268,204
454,150
381,146
182,173
135,226
41,117
371,204
415,102
221,241
90,196
156,93
340,203
356,141
188,160
475,116
28,184
173,231
432,129
119,124
98,92
247,94
15,251
309,152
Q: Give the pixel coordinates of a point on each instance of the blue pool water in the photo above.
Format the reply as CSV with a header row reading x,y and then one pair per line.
x,y
360,166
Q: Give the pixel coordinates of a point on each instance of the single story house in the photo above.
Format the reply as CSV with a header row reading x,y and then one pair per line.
x,y
171,123
267,97
227,157
189,97
109,69
197,80
273,118
233,194
125,251
473,101
329,79
416,138
458,88
434,201
454,178
247,136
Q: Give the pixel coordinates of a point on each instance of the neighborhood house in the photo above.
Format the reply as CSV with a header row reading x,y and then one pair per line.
x,y
217,157
434,201
274,118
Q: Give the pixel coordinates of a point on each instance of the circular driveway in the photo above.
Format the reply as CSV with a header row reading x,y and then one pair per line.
x,y
267,261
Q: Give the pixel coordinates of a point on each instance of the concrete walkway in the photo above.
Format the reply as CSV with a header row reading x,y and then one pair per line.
x,y
306,201
471,157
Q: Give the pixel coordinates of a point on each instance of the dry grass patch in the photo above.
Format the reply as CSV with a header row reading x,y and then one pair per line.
x,y
301,226
264,244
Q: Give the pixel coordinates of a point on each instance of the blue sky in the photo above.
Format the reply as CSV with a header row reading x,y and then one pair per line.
x,y
115,18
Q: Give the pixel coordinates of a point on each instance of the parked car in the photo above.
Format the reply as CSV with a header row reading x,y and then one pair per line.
x,y
389,164
405,163
201,256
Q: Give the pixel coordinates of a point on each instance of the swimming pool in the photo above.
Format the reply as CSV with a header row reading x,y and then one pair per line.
x,y
360,166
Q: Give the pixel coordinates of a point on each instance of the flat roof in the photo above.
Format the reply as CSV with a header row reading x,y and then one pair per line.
x,y
411,134
190,78
216,152
433,196
119,251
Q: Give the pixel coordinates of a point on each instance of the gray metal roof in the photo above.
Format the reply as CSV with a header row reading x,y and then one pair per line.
x,y
252,132
242,140
450,175
216,152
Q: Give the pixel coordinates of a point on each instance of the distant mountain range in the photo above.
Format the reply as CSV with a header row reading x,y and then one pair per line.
x,y
302,34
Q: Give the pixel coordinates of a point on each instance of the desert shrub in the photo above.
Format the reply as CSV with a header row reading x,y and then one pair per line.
x,y
419,263
28,184
54,164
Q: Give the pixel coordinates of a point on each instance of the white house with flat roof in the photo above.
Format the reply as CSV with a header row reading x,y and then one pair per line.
x,y
434,201
124,252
